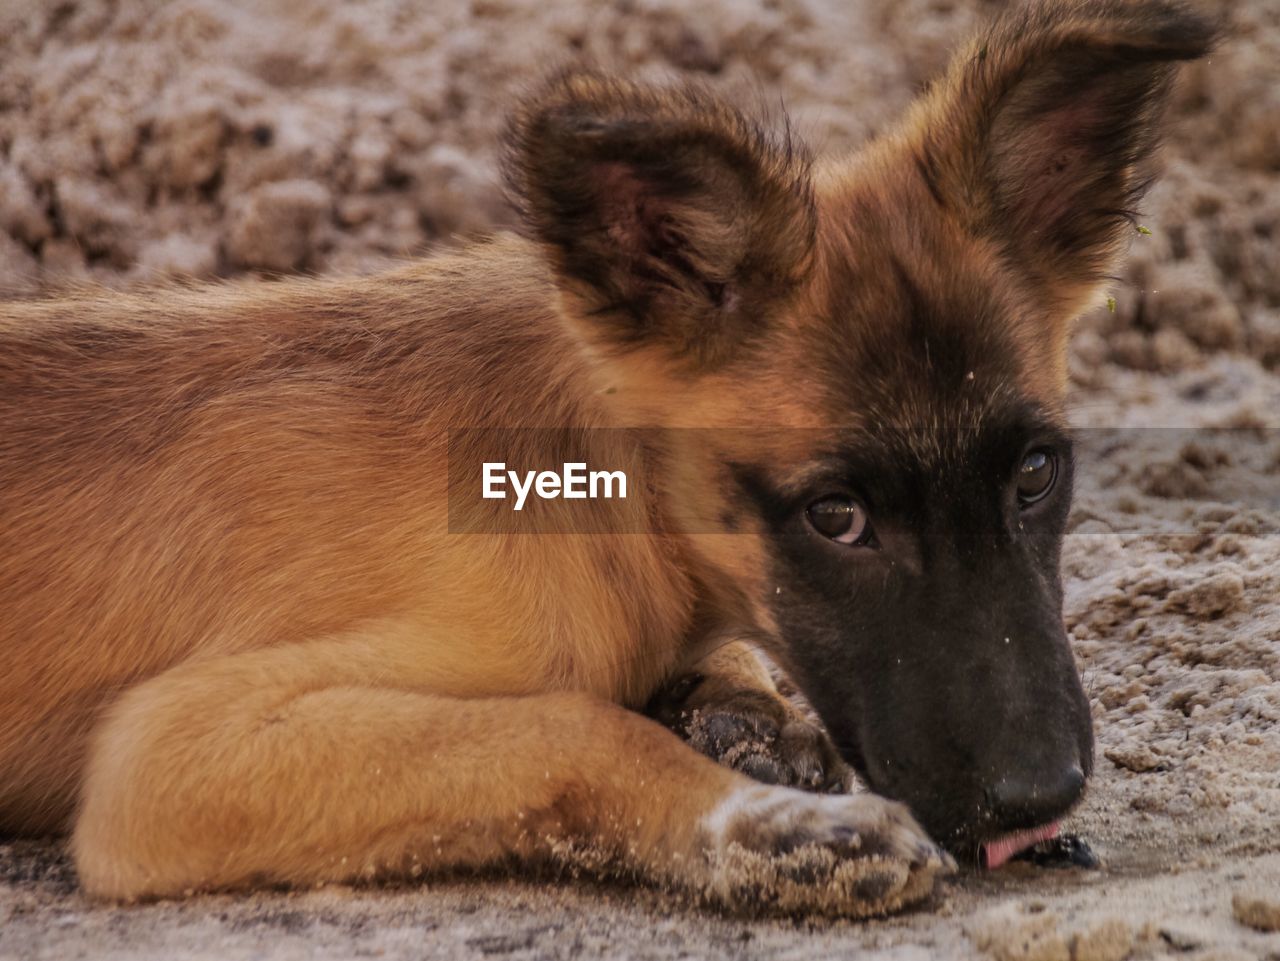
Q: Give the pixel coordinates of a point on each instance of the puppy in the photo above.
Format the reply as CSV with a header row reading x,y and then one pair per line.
x,y
261,623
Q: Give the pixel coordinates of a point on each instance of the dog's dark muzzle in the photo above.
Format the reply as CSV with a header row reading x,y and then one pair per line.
x,y
978,723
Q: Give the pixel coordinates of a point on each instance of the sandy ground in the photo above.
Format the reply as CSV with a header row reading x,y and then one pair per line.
x,y
209,139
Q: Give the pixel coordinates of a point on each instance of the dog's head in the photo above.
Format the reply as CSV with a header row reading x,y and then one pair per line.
x,y
869,355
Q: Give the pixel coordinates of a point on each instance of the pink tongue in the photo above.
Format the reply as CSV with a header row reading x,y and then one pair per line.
x,y
997,852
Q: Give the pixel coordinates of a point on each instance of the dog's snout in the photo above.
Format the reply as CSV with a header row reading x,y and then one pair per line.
x,y
1024,802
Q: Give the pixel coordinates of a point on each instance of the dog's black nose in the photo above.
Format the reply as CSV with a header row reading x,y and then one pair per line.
x,y
1027,802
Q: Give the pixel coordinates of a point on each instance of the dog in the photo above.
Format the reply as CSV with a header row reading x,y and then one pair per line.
x,y
260,626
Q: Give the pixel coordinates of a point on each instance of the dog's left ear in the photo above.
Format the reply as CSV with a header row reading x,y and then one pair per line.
x,y
668,216
1040,135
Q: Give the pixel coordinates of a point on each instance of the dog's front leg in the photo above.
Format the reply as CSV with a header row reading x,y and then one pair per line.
x,y
728,707
317,762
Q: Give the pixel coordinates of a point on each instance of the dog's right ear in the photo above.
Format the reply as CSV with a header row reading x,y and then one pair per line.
x,y
669,218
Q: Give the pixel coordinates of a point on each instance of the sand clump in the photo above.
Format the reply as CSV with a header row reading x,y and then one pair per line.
x,y
1031,932
1014,932
1257,907
1110,939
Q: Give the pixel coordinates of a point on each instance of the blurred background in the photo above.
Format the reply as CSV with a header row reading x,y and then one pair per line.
x,y
209,138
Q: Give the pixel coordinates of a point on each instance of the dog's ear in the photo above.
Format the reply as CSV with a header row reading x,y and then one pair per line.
x,y
668,216
1040,135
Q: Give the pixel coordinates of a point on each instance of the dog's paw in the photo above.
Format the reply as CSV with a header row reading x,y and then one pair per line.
x,y
771,848
756,732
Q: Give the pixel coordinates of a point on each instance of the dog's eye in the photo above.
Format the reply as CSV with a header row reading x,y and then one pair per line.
x,y
1036,475
841,519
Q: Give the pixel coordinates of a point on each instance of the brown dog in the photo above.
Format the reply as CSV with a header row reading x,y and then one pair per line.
x,y
259,625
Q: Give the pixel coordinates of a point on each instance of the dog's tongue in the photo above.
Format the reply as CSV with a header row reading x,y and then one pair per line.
x,y
997,852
